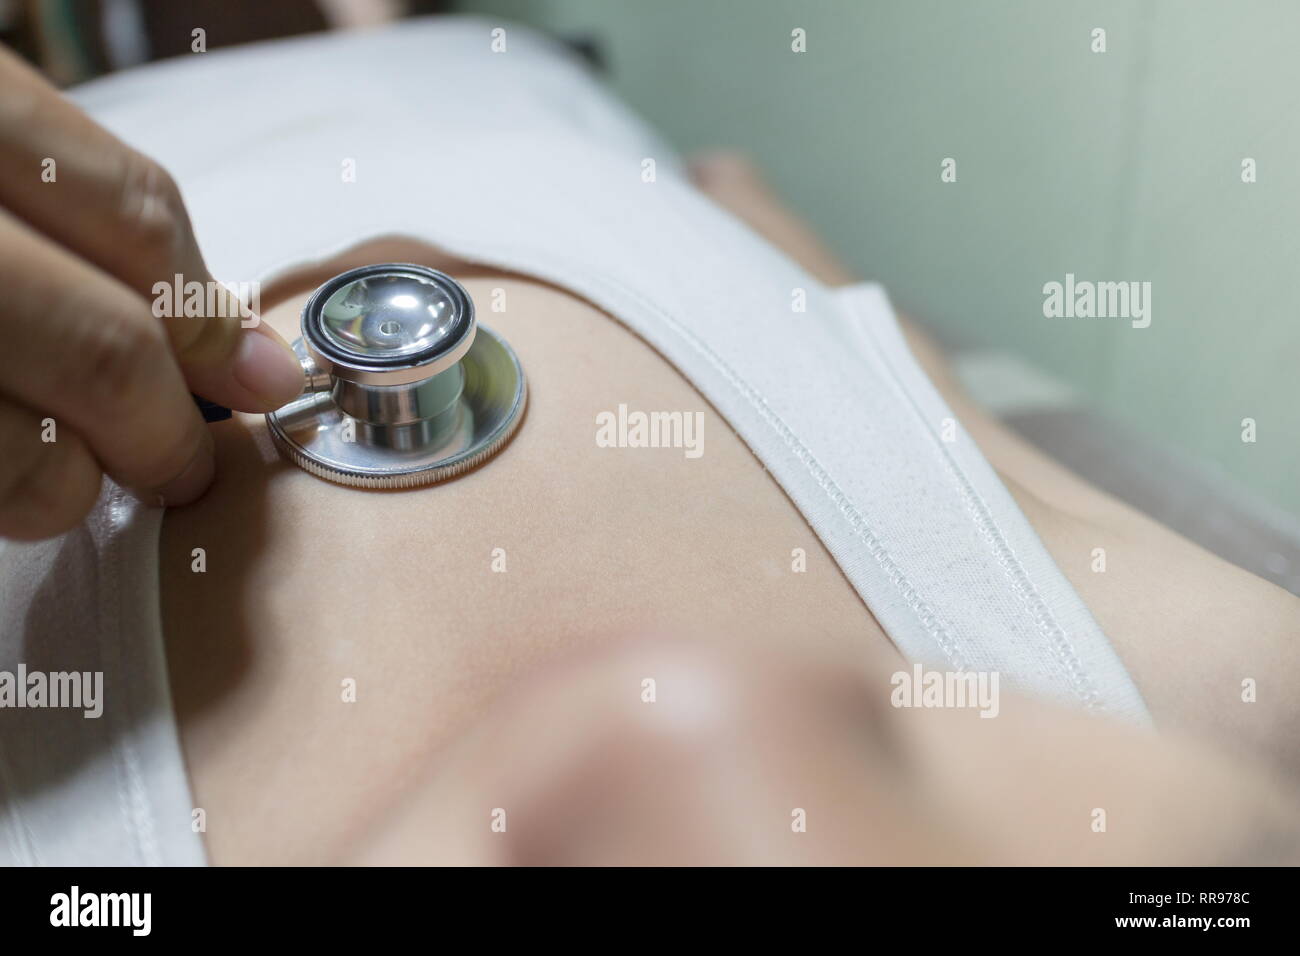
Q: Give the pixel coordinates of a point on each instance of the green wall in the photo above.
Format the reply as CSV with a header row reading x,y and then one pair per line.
x,y
1123,165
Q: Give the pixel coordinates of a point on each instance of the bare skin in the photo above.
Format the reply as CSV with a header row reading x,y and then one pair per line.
x,y
599,546
773,755
596,545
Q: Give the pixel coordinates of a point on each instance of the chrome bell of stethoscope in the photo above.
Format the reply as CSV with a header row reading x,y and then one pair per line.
x,y
404,388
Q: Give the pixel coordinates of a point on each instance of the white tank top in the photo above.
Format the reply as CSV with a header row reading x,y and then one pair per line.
x,y
519,160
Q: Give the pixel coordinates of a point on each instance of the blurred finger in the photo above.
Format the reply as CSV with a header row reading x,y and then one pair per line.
x,y
50,478
83,348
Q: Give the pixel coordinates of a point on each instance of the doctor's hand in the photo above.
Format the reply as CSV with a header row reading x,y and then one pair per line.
x,y
92,382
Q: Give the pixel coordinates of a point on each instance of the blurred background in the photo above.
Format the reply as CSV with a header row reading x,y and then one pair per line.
x,y
1122,165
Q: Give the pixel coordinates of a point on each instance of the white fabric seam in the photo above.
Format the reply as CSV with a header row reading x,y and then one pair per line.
x,y
133,792
1024,589
22,834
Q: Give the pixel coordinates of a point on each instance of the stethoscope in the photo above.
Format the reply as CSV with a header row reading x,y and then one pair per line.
x,y
403,386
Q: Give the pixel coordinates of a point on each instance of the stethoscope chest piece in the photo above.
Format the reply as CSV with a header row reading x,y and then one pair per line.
x,y
404,388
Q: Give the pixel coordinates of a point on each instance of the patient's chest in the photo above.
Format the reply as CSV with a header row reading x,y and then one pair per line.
x,y
339,637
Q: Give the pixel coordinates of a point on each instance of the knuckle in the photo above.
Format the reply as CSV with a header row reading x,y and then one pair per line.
x,y
115,358
153,218
118,382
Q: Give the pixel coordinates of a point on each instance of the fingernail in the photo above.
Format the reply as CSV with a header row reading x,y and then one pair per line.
x,y
268,369
194,479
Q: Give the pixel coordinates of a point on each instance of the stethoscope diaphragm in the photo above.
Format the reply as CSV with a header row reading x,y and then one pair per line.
x,y
404,388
